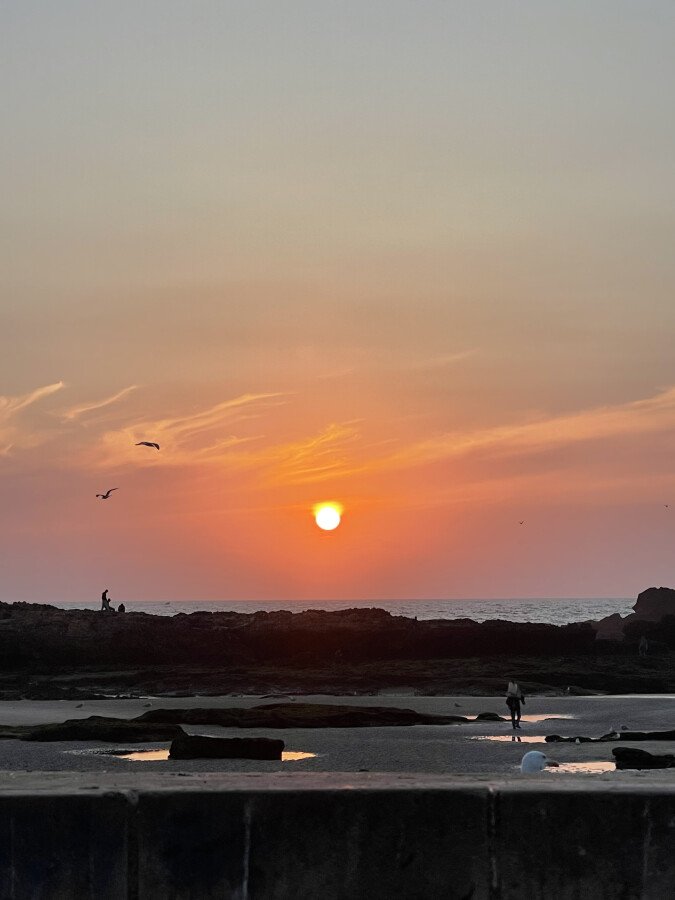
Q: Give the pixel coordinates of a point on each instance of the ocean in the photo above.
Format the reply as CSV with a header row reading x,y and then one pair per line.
x,y
553,611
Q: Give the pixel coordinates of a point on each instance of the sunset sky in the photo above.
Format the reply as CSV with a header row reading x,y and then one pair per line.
x,y
411,256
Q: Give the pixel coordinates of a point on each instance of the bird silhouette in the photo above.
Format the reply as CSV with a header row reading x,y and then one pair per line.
x,y
666,505
147,444
522,523
107,493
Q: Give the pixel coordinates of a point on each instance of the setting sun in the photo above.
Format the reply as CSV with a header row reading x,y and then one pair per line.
x,y
327,515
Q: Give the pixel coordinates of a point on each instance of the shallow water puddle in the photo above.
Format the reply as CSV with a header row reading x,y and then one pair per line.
x,y
542,717
154,755
143,755
512,738
586,768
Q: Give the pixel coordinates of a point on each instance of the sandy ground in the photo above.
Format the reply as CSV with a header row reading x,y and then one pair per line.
x,y
448,749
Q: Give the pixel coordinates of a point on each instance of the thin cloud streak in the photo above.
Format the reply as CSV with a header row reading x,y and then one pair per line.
x,y
11,405
12,434
182,438
75,412
642,417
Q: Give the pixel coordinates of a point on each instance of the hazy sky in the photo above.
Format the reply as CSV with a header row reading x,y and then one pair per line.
x,y
414,256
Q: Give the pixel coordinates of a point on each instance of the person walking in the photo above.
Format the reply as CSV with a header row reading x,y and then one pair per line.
x,y
514,699
105,601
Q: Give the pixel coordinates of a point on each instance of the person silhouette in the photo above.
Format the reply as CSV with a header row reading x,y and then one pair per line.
x,y
121,608
514,698
105,602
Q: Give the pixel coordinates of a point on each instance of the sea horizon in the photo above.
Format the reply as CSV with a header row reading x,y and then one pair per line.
x,y
548,610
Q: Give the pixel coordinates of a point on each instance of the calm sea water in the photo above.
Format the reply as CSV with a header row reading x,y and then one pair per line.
x,y
554,611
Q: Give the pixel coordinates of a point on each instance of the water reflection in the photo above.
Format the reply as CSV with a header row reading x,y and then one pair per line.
x,y
542,717
587,768
512,738
144,755
155,755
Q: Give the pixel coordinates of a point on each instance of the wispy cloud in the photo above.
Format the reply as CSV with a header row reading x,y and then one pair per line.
x,y
442,360
641,417
199,437
75,412
317,458
11,405
16,434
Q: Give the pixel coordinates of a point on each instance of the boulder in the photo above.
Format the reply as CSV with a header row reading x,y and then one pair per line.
x,y
490,717
632,758
195,746
655,603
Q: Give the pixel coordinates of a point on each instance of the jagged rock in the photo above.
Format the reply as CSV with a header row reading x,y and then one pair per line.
x,y
298,715
632,758
190,746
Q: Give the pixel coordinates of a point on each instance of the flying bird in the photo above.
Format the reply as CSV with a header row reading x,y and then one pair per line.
x,y
147,444
522,523
107,493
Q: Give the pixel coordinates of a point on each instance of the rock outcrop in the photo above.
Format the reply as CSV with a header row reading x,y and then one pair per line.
x,y
651,607
297,715
101,728
41,635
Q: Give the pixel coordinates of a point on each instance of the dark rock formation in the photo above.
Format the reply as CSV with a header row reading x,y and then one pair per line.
x,y
190,746
50,653
613,737
101,728
490,717
632,758
653,606
40,635
297,715
655,603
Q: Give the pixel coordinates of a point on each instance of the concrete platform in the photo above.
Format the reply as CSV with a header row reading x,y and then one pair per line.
x,y
334,836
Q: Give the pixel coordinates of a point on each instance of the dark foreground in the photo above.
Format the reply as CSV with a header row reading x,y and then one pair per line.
x,y
299,837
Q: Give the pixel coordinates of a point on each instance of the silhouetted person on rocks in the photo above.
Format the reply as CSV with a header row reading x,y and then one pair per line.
x,y
121,608
105,602
514,698
643,646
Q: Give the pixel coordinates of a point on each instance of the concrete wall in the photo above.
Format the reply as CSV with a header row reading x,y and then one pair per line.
x,y
325,837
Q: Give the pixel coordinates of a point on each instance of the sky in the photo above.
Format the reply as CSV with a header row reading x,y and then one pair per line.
x,y
413,257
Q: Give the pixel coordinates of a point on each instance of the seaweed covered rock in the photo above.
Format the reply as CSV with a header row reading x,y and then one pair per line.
x,y
102,728
297,715
632,758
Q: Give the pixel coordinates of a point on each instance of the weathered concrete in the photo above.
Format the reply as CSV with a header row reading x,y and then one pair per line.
x,y
333,836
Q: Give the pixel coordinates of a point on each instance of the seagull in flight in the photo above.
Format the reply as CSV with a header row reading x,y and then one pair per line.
x,y
522,523
107,493
147,444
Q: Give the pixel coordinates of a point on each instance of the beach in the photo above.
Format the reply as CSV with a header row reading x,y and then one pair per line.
x,y
476,748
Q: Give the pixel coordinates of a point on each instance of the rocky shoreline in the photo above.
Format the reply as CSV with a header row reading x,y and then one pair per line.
x,y
51,653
